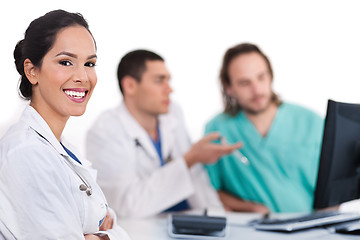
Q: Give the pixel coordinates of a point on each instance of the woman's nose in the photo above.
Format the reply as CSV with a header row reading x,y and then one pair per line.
x,y
81,74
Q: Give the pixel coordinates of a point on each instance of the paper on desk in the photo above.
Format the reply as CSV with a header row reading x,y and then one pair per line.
x,y
216,212
236,218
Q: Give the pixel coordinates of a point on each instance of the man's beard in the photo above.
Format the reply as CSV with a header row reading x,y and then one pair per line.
x,y
251,111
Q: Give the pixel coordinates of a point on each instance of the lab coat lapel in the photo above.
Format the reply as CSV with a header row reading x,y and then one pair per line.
x,y
136,132
168,124
38,124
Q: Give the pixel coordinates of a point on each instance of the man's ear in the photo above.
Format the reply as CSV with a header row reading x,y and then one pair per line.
x,y
228,90
30,71
129,85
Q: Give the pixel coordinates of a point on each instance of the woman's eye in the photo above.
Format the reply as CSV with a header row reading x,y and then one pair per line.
x,y
65,63
90,64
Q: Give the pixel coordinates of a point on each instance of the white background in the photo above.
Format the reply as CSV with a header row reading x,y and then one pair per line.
x,y
314,47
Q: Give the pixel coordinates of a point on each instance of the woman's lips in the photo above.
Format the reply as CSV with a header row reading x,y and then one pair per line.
x,y
77,95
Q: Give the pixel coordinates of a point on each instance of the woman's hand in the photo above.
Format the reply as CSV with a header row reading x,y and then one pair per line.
x,y
107,223
94,237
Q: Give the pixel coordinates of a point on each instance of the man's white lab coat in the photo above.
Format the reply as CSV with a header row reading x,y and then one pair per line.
x,y
129,170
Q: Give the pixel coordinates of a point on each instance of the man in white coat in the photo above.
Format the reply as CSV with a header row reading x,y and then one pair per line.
x,y
145,161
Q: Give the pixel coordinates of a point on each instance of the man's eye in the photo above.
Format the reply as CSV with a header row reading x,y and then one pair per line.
x,y
243,84
65,63
262,77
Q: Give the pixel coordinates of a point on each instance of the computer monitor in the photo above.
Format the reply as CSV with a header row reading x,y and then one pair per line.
x,y
339,168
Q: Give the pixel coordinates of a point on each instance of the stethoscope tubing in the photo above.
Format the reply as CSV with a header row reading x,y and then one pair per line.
x,y
88,188
83,187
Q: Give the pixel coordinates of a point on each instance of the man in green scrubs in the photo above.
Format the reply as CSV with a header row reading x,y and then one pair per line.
x,y
282,141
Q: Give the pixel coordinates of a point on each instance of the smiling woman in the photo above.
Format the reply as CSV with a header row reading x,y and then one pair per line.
x,y
46,190
63,77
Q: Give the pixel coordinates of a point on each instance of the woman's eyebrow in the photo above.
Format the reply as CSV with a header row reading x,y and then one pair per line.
x,y
92,56
67,54
74,55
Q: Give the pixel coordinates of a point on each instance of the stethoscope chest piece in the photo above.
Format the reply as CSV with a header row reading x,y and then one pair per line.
x,y
83,188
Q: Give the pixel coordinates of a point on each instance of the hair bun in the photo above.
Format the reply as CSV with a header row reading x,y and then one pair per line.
x,y
18,56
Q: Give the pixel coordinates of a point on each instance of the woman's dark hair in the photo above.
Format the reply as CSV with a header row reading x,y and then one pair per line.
x,y
39,38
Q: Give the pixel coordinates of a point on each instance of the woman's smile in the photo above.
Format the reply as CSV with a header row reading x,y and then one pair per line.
x,y
76,94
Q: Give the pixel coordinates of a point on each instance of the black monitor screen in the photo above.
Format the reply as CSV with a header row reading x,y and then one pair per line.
x,y
338,176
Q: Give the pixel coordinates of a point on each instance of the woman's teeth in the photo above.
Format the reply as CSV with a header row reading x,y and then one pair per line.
x,y
74,94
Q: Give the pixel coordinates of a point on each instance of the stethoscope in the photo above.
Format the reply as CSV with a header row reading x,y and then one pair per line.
x,y
138,144
85,186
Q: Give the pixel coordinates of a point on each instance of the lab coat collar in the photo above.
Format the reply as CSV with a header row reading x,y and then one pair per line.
x,y
167,125
38,124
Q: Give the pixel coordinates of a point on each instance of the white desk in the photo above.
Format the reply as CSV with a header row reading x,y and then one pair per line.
x,y
156,228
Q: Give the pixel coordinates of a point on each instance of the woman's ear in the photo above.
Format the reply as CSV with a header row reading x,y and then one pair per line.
x,y
30,71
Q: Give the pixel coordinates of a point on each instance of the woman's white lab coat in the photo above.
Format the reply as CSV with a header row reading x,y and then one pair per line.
x,y
39,193
129,170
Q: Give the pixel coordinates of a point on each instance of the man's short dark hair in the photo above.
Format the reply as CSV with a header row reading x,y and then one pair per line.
x,y
133,64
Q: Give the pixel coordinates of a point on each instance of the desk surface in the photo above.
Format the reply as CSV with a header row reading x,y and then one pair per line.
x,y
156,228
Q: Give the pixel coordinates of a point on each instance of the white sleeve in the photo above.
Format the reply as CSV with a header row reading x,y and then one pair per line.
x,y
39,203
5,233
129,193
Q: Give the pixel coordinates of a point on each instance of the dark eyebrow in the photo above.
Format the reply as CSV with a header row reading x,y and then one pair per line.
x,y
263,73
92,56
67,54
242,80
162,76
74,55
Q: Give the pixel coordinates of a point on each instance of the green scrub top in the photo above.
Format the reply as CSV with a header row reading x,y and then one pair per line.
x,y
283,165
